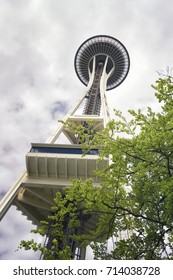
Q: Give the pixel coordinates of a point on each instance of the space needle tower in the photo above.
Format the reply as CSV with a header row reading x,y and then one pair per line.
x,y
101,63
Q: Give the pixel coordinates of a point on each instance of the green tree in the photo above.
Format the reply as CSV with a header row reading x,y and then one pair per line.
x,y
135,198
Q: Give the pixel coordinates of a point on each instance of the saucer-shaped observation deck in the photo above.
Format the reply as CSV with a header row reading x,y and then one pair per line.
x,y
102,46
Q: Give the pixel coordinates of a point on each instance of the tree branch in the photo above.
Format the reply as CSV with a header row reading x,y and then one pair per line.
x,y
129,212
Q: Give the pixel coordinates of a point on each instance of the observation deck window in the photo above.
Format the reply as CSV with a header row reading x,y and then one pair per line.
x,y
62,150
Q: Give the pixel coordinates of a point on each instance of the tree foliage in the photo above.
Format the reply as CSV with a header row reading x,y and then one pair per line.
x,y
135,198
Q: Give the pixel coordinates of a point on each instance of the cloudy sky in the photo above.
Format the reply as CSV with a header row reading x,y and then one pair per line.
x,y
38,84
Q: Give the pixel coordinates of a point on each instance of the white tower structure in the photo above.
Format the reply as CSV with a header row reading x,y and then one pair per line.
x,y
101,63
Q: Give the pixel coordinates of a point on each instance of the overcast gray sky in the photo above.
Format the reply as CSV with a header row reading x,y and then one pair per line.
x,y
38,84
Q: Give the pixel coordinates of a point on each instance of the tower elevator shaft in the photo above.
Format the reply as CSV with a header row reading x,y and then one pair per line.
x,y
92,107
93,98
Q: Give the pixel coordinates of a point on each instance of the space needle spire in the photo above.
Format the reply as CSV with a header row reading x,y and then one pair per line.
x,y
101,63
